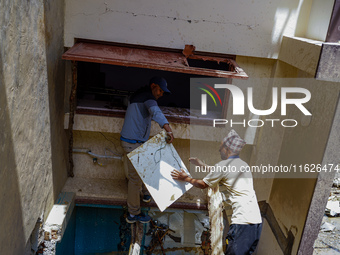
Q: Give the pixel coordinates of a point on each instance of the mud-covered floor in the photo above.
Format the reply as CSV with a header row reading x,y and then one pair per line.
x,y
328,242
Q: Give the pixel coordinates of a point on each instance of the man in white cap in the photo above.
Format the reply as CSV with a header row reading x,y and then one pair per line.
x,y
236,183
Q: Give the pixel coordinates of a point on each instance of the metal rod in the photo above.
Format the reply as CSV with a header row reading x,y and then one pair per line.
x,y
88,151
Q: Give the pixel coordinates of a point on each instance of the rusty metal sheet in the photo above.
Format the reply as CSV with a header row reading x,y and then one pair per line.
x,y
144,58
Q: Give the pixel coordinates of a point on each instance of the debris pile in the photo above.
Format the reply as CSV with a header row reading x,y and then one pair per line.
x,y
158,231
124,233
328,240
48,241
327,227
333,207
336,182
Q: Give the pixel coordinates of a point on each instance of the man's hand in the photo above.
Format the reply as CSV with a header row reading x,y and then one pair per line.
x,y
168,130
196,161
179,175
183,176
170,137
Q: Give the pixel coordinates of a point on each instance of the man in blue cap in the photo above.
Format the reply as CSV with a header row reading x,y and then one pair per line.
x,y
142,109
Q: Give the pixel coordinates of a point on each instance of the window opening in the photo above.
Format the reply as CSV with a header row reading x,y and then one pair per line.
x,y
213,65
108,74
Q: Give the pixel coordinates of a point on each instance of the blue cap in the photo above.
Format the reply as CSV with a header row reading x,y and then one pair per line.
x,y
161,82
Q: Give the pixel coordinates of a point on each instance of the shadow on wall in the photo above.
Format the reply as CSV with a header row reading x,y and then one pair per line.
x,y
54,32
12,240
281,21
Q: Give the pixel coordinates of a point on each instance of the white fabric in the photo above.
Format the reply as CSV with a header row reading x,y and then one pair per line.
x,y
237,187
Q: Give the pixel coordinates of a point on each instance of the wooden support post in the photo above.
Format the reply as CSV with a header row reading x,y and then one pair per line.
x,y
137,232
216,220
73,105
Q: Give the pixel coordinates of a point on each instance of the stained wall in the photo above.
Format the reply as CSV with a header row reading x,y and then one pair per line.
x,y
33,168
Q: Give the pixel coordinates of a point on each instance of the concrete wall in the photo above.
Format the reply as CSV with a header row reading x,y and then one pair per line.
x,y
106,179
33,167
319,18
55,67
261,69
305,144
290,197
248,28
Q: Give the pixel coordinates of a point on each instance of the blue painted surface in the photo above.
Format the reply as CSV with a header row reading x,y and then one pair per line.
x,y
65,197
101,206
95,230
66,246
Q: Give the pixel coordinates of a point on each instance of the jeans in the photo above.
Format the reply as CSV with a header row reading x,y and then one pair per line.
x,y
243,239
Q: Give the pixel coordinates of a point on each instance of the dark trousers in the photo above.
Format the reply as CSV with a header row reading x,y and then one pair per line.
x,y
243,239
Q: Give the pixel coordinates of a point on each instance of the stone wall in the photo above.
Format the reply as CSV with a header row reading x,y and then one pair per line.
x,y
33,165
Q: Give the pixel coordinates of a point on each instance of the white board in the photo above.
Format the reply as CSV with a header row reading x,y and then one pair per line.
x,y
154,161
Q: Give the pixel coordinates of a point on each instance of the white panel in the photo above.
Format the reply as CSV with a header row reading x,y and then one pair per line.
x,y
154,161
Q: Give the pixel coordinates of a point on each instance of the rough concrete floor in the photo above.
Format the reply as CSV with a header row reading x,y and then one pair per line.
x,y
329,242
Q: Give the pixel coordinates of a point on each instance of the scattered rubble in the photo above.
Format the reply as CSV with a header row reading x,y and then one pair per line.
x,y
47,241
327,227
333,208
158,231
328,241
47,248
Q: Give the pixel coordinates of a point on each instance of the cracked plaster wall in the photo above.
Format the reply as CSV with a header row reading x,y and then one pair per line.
x,y
248,28
33,166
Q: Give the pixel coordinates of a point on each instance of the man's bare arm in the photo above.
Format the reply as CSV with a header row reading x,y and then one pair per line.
x,y
182,176
197,162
